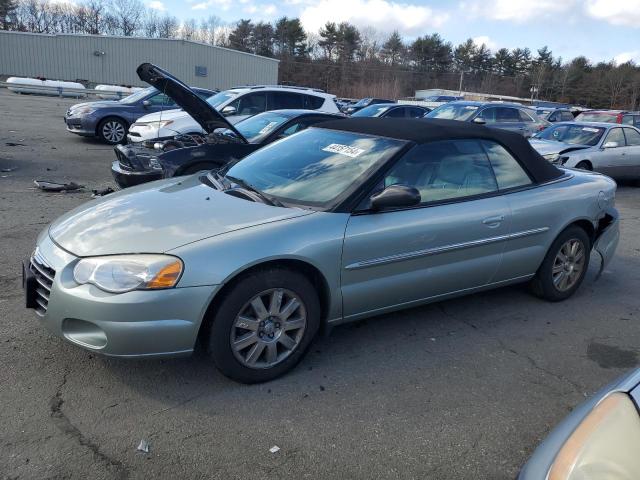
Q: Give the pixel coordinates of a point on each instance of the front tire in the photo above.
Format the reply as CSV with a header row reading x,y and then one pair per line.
x,y
264,325
112,130
564,267
584,165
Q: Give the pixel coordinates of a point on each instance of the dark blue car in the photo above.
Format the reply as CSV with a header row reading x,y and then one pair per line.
x,y
109,120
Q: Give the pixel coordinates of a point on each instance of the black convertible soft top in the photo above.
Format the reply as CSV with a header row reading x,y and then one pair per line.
x,y
423,130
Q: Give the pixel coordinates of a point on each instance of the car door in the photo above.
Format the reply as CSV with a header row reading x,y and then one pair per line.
x,y
285,101
449,243
247,105
632,155
159,102
613,161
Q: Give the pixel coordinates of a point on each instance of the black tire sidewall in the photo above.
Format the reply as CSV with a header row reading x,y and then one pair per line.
x,y
219,343
112,119
544,278
585,165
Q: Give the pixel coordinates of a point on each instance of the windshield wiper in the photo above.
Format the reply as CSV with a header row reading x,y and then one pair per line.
x,y
269,199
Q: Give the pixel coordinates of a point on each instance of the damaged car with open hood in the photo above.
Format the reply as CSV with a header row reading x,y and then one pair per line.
x,y
342,221
607,148
221,144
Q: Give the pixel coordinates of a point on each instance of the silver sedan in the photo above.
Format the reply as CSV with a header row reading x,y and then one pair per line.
x,y
607,148
342,221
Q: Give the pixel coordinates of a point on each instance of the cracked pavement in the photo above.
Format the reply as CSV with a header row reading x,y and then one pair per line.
x,y
463,389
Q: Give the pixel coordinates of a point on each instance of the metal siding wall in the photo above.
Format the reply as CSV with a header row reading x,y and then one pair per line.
x,y
71,57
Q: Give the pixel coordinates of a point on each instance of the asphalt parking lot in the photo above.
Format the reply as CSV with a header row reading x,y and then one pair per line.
x,y
460,389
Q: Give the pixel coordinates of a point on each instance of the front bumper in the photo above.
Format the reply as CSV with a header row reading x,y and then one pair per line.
x,y
82,126
134,324
129,178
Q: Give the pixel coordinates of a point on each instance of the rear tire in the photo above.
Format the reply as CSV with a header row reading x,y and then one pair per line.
x,y
564,267
263,327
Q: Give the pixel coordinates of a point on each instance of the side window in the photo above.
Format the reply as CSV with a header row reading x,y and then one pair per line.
x,y
488,115
567,116
161,99
616,135
508,171
444,170
416,112
294,128
525,117
286,100
250,104
554,117
313,102
398,112
627,119
633,136
507,115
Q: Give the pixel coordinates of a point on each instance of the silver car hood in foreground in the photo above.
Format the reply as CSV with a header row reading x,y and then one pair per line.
x,y
158,217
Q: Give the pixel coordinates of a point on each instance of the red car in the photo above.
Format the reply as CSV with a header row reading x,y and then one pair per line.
x,y
610,116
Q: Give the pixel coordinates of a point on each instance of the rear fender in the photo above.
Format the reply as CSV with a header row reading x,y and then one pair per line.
x,y
607,237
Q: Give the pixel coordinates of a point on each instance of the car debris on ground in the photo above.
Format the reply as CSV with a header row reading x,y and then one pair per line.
x,y
47,186
143,446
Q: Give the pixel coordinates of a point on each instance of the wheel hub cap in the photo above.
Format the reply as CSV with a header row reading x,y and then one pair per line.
x,y
268,328
568,264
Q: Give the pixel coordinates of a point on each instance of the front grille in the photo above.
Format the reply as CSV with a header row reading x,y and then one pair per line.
x,y
44,275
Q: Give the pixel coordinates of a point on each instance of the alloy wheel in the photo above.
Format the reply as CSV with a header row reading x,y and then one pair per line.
x,y
568,264
268,328
113,131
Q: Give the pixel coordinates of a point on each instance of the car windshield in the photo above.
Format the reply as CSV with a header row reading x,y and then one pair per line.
x,y
452,111
316,167
259,126
607,117
137,96
219,98
573,134
371,111
362,102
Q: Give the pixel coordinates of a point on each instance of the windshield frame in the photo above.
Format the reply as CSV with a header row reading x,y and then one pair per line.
x,y
349,198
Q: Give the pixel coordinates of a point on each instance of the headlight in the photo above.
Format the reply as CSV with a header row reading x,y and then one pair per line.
x,y
154,163
83,111
604,445
552,157
123,273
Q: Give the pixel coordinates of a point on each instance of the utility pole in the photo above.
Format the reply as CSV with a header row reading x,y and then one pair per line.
x,y
460,86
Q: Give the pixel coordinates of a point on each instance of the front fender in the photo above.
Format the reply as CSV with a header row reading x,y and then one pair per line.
x,y
607,237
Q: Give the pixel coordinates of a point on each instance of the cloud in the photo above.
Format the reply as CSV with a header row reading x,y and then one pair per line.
x,y
517,11
616,12
408,19
625,57
155,5
485,40
268,10
219,4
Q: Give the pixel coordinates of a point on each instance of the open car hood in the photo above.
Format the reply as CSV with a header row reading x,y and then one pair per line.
x,y
203,113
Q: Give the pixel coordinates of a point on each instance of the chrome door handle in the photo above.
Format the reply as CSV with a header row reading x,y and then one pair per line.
x,y
493,221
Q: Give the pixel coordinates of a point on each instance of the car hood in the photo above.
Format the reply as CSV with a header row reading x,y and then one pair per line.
x,y
159,217
173,114
101,104
547,147
203,113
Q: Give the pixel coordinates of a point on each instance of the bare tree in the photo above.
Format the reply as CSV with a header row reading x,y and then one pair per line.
x,y
168,27
128,15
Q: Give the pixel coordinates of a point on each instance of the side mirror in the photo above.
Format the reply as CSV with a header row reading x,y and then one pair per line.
x,y
146,103
479,121
610,145
229,110
395,196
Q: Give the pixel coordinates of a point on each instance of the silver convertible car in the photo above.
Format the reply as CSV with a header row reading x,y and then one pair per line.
x,y
607,148
342,221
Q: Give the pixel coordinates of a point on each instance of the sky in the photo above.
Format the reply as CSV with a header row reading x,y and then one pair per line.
x,y
601,30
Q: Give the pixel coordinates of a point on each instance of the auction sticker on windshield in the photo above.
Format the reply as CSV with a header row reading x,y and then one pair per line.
x,y
352,152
